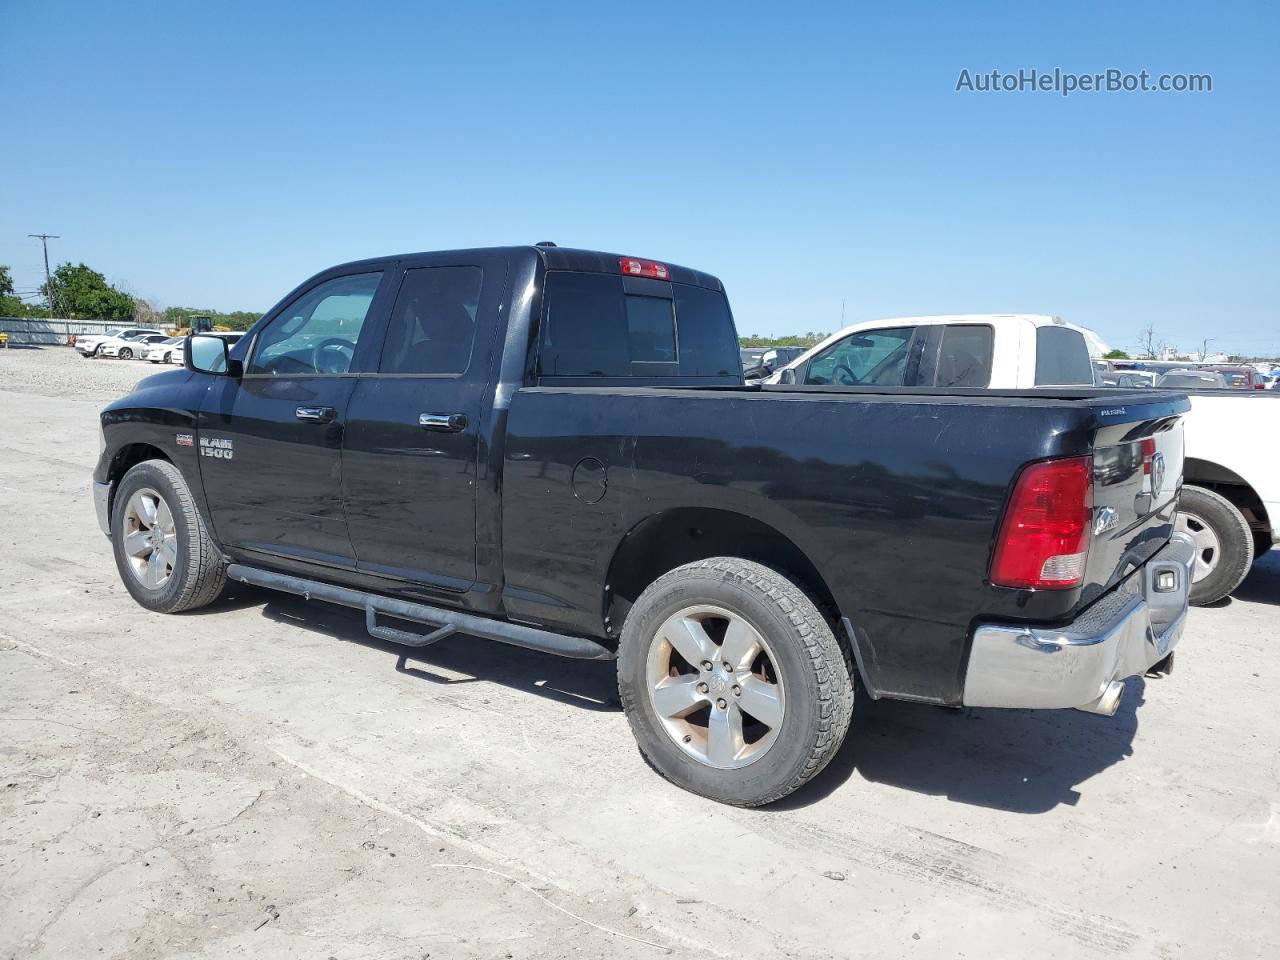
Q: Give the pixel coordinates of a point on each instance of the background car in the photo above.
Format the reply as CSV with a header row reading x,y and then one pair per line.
x,y
162,352
88,345
767,361
1238,376
126,348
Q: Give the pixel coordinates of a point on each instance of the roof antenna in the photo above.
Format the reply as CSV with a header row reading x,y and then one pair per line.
x,y
544,243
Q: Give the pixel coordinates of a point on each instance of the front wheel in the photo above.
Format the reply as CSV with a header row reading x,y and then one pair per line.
x,y
1223,542
125,354
163,550
732,681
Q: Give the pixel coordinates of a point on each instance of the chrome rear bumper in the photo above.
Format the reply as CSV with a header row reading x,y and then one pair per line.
x,y
1122,635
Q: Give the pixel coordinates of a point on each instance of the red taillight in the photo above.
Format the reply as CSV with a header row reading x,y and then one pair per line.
x,y
1148,451
643,268
1044,539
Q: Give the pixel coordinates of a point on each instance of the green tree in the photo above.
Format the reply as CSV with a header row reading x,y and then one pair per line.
x,y
11,304
789,340
1115,355
82,293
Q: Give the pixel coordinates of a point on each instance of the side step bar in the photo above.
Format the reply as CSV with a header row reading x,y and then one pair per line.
x,y
445,621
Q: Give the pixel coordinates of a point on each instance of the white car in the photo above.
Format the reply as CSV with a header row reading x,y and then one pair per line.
x,y
162,352
126,348
1230,501
87,346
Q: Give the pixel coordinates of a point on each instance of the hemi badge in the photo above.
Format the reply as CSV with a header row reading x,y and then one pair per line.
x,y
184,440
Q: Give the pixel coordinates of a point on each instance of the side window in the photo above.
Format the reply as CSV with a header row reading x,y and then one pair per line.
x,y
433,324
318,332
584,328
870,358
1062,357
964,359
708,342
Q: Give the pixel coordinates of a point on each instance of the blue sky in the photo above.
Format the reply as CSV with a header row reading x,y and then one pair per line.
x,y
217,154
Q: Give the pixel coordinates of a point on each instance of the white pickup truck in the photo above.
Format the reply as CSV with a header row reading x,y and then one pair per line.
x,y
1231,495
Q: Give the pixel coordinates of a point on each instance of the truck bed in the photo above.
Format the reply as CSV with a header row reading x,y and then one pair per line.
x,y
894,494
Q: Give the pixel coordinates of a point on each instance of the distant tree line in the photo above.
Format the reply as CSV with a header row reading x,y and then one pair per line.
x,y
78,292
790,340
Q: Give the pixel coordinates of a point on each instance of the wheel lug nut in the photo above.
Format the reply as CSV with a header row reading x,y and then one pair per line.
x,y
688,738
722,703
702,688
706,664
737,690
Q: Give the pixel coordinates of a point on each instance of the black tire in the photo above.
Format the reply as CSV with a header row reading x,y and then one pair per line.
x,y
125,354
198,572
1229,562
805,654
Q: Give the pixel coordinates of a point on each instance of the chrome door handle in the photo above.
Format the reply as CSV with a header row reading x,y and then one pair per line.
x,y
316,414
443,422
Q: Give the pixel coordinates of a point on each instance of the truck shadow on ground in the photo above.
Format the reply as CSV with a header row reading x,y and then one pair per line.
x,y
461,659
1022,761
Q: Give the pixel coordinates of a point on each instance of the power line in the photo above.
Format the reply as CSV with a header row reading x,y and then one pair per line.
x,y
44,239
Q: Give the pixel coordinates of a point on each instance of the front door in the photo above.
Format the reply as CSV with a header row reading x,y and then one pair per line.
x,y
271,440
410,453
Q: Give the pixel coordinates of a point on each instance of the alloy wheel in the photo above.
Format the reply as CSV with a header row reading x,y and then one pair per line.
x,y
150,538
715,686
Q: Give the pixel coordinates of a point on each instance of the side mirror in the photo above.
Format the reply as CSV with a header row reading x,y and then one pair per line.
x,y
205,354
788,375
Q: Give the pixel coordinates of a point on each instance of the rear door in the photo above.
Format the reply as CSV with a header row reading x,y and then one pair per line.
x,y
271,440
410,449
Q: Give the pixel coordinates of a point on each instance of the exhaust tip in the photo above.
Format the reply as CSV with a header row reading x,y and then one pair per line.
x,y
1109,702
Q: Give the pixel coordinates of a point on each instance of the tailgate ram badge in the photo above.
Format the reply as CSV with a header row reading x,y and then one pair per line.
x,y
1106,519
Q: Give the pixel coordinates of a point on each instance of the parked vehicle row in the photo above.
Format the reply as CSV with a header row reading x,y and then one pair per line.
x,y
140,344
556,449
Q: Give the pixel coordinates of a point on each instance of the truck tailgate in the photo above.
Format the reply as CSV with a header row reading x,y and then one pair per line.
x,y
1137,475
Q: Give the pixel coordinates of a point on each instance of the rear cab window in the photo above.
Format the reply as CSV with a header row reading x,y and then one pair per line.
x,y
597,326
1062,358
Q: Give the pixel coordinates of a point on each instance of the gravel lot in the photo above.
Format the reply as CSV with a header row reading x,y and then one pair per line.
x,y
263,779
61,372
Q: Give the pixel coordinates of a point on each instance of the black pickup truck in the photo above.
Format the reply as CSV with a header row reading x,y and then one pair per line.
x,y
555,449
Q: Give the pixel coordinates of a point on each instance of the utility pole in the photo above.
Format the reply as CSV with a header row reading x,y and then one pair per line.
x,y
44,239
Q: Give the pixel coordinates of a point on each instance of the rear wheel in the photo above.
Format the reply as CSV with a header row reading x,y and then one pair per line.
x,y
732,681
164,553
1223,541
125,353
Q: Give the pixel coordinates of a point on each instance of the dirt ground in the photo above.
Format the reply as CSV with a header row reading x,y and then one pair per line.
x,y
263,779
